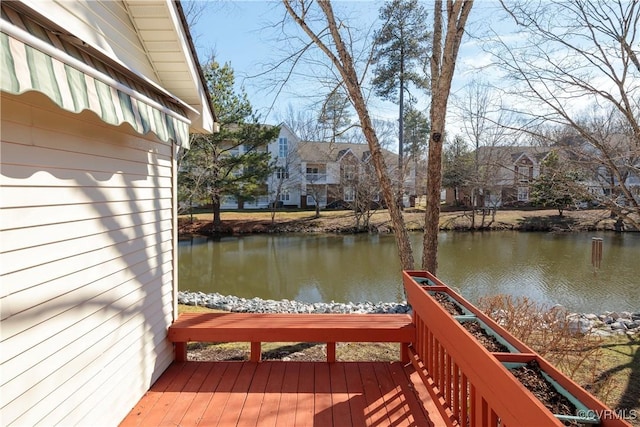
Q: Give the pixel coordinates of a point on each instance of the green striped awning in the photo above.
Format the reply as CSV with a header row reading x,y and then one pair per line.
x,y
36,59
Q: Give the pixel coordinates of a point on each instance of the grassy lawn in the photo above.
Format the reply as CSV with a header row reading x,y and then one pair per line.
x,y
618,379
414,219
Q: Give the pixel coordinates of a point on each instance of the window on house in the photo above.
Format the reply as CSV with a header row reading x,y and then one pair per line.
x,y
523,173
523,194
282,172
314,174
283,147
311,201
349,194
284,196
349,172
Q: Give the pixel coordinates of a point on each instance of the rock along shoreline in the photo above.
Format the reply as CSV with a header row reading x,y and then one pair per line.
x,y
606,324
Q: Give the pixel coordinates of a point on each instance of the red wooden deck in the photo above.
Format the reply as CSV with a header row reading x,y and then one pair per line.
x,y
286,394
452,379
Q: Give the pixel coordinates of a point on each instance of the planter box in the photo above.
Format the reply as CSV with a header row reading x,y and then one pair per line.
x,y
489,331
423,281
583,415
463,311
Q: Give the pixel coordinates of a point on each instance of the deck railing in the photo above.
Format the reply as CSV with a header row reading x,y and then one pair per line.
x,y
472,385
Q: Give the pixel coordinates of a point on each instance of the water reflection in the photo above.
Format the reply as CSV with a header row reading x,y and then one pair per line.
x,y
550,268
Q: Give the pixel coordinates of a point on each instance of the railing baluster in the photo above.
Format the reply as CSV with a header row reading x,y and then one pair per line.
x,y
473,410
484,412
465,400
456,392
441,369
447,380
494,420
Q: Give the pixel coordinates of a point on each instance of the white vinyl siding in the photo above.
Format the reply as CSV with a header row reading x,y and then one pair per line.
x,y
86,251
104,24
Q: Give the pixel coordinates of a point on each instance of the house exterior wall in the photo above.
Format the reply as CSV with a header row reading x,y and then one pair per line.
x,y
289,185
104,24
87,264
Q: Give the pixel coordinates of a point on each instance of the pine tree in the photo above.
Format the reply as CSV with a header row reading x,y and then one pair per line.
x,y
558,186
401,58
235,161
334,116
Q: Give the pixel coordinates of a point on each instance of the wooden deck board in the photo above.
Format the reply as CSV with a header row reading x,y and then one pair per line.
x,y
355,389
289,396
323,399
200,402
268,414
305,409
341,408
185,398
285,394
255,396
393,402
221,395
374,411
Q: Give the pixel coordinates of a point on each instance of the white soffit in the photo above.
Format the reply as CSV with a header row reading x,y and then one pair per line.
x,y
167,46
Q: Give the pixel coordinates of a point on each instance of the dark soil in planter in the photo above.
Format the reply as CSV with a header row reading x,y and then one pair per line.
x,y
531,377
489,342
453,308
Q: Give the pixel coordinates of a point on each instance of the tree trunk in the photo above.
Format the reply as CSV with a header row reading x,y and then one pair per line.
x,y
473,208
217,220
344,64
401,137
443,61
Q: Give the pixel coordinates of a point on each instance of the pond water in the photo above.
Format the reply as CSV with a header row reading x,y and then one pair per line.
x,y
549,268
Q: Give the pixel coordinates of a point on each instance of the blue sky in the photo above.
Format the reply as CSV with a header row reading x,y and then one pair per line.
x,y
241,32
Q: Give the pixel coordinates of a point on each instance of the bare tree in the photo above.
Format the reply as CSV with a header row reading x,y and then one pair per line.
x,y
284,179
329,37
302,122
193,11
575,68
487,125
443,62
358,190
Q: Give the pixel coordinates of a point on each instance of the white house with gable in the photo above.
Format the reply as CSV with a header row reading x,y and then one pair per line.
x,y
311,172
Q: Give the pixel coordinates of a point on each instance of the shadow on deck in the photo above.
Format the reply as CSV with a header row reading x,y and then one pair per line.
x,y
286,394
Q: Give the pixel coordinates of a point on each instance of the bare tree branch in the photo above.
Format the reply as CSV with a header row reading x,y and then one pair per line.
x,y
342,60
